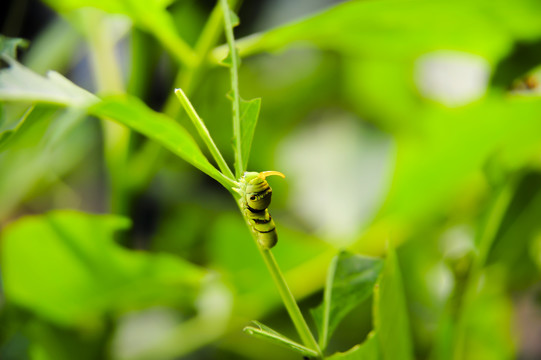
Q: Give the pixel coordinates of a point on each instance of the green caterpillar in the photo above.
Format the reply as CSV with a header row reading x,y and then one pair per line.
x,y
255,197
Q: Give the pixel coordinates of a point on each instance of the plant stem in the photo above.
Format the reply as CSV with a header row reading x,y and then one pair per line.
x,y
176,345
484,244
233,70
152,153
106,68
327,294
287,297
176,46
163,28
207,40
289,301
204,133
109,80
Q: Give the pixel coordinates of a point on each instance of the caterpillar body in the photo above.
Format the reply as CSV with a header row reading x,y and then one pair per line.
x,y
255,198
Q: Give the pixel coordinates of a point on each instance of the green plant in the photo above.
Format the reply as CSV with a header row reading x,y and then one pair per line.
x,y
462,171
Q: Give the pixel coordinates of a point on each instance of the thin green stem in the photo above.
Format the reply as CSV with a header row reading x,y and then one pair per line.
x,y
233,69
207,40
327,294
204,133
492,225
248,305
211,32
484,244
108,80
144,54
176,46
286,295
163,28
106,68
289,301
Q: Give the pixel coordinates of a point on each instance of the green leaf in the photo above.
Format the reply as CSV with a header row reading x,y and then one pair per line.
x,y
128,7
350,281
228,62
234,18
29,129
265,333
134,114
517,245
249,113
393,29
74,272
50,142
454,145
18,83
8,46
5,136
390,313
368,350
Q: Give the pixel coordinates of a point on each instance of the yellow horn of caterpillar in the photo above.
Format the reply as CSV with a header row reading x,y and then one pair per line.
x,y
265,174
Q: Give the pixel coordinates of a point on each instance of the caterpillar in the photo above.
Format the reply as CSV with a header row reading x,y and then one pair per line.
x,y
255,197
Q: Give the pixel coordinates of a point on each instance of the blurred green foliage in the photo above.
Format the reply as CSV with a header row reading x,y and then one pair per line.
x,y
350,280
92,275
413,123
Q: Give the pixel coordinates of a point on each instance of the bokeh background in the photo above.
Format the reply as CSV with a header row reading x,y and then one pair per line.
x,y
415,122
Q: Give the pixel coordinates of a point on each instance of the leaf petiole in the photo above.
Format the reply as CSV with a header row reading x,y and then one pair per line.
x,y
204,133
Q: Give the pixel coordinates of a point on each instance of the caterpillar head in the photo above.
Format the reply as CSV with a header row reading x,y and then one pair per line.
x,y
258,192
